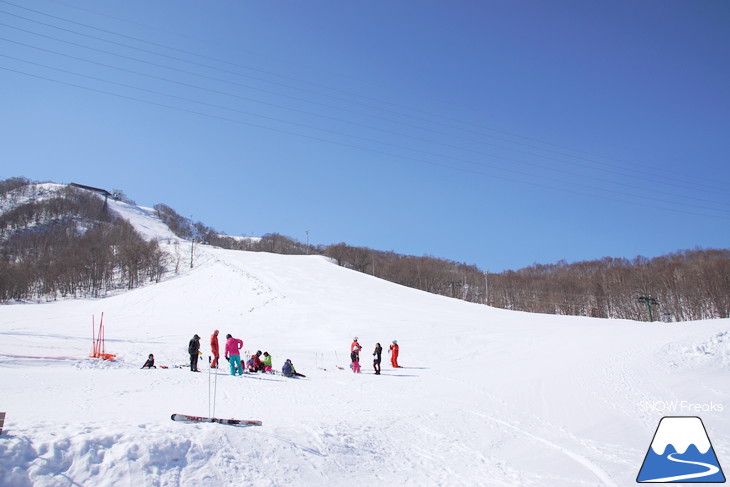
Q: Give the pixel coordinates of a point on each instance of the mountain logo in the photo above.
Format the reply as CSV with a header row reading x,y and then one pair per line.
x,y
681,452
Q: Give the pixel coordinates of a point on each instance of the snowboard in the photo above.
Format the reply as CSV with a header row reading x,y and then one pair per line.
x,y
198,419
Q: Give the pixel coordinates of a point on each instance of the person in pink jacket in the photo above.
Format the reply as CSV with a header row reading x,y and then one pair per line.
x,y
233,354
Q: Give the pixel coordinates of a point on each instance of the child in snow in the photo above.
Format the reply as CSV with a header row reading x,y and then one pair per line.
x,y
257,366
376,362
150,364
289,370
267,362
355,355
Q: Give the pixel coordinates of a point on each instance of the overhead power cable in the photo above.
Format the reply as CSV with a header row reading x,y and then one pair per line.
x,y
362,148
367,140
339,120
661,178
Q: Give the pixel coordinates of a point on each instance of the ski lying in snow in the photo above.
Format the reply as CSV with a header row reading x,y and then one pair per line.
x,y
198,419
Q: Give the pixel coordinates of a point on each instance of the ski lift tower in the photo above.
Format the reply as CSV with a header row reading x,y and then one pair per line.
x,y
649,301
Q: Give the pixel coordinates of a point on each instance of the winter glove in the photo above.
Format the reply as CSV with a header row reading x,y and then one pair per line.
x,y
228,359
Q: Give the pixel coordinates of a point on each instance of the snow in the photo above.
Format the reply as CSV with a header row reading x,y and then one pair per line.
x,y
486,396
144,220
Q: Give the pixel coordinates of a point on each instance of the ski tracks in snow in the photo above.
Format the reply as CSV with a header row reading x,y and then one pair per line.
x,y
259,287
557,441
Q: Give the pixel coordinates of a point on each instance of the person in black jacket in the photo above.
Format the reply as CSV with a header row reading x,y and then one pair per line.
x,y
376,361
193,350
150,364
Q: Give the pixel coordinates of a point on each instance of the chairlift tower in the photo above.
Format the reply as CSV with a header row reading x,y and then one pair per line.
x,y
649,301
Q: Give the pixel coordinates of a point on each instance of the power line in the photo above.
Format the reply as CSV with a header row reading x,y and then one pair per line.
x,y
336,133
657,177
399,146
344,144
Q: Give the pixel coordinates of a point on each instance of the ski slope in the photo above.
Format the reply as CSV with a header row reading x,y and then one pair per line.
x,y
486,397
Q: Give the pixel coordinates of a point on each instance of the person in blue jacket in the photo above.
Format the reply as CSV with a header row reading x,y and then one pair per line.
x,y
289,370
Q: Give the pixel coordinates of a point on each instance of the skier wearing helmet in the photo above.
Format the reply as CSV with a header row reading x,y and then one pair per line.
x,y
393,349
355,355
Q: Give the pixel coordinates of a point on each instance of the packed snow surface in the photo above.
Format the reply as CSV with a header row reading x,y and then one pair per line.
x,y
485,396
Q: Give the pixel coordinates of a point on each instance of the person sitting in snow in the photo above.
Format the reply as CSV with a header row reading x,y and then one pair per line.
x,y
258,366
289,370
267,362
150,364
254,363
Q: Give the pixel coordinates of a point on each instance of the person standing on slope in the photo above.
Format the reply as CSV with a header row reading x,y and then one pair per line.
x,y
377,354
214,349
233,354
355,355
393,350
194,350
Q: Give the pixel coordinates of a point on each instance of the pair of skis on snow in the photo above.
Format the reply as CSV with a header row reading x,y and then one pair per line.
x,y
200,419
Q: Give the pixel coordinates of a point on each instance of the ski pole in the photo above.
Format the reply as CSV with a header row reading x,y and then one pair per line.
x,y
209,369
215,391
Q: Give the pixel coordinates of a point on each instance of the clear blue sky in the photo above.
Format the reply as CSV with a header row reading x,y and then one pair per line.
x,y
499,134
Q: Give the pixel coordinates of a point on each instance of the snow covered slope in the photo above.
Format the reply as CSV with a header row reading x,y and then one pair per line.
x,y
485,397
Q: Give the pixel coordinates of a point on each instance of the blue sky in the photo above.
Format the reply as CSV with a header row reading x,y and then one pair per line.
x,y
499,134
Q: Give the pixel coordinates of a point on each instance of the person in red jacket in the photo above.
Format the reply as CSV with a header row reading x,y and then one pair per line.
x,y
215,350
394,354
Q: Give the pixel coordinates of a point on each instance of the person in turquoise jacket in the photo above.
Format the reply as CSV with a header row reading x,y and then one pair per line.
x,y
233,354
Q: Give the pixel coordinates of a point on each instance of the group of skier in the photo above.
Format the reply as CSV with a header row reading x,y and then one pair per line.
x,y
262,362
259,362
355,348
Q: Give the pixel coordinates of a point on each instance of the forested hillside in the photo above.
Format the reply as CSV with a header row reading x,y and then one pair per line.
x,y
687,285
62,241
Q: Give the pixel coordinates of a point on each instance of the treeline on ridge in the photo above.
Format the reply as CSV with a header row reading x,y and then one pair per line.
x,y
62,242
65,243
687,285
